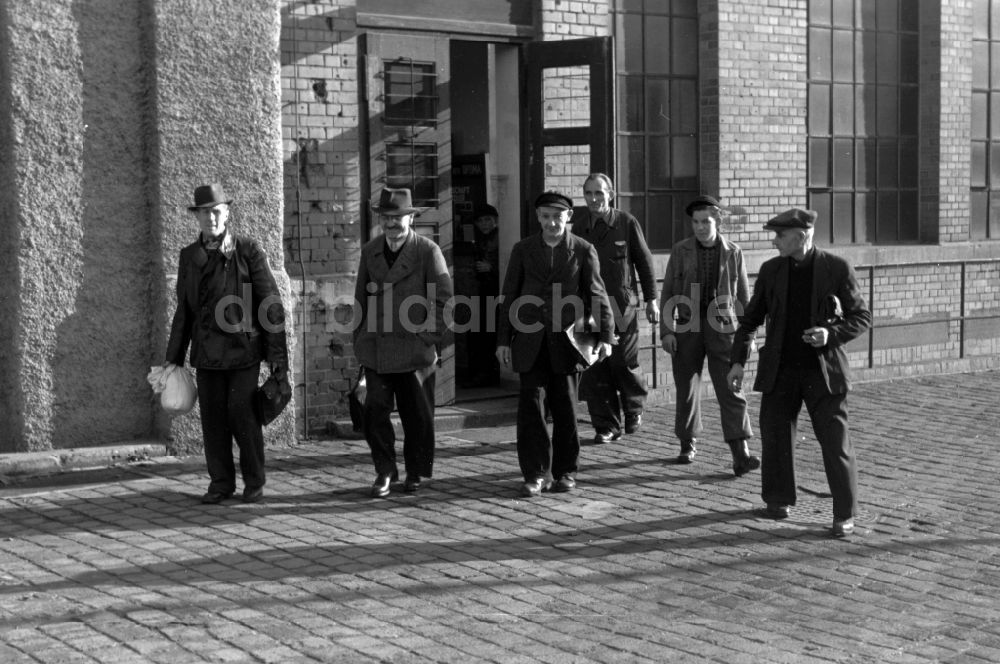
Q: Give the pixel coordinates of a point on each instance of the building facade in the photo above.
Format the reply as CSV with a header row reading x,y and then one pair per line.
x,y
879,114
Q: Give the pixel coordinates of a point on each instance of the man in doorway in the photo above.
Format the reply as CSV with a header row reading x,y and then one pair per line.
x,y
402,288
486,266
616,387
704,288
553,280
813,306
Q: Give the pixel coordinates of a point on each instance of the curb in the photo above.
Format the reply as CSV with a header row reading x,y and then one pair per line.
x,y
500,412
29,464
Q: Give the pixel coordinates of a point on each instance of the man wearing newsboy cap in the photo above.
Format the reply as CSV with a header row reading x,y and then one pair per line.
x,y
401,289
553,277
813,307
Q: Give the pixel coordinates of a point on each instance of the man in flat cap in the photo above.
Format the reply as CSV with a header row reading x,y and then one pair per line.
x,y
704,288
552,281
813,307
615,390
402,288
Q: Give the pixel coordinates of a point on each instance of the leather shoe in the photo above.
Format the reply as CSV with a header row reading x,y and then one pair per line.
x,y
215,497
776,511
380,488
633,422
535,487
412,483
564,484
604,436
253,495
743,461
842,528
688,450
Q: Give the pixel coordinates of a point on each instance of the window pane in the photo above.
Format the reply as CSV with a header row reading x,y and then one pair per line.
x,y
887,165
865,107
909,59
685,47
866,16
885,11
980,64
978,166
888,59
979,115
888,206
819,12
994,166
864,217
843,55
819,162
630,103
978,214
566,97
658,111
566,166
843,163
843,13
684,107
866,163
866,57
909,228
909,164
685,162
659,162
887,111
994,115
819,110
980,19
995,69
629,42
680,7
661,221
819,54
631,156
842,219
843,109
993,226
909,111
909,16
657,45
821,204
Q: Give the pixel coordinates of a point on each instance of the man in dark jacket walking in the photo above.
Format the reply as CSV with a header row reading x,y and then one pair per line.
x,y
616,387
229,310
813,307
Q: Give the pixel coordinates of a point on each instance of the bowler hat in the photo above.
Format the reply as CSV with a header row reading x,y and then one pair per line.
x,y
702,201
396,203
485,211
793,218
209,195
554,199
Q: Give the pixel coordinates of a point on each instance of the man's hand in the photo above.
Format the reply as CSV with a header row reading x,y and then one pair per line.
x,y
816,336
734,379
669,343
503,355
653,312
603,350
483,266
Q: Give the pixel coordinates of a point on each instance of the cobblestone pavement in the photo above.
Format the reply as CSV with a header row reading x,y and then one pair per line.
x,y
647,561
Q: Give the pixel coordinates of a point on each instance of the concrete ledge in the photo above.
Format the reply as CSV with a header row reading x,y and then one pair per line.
x,y
475,415
22,464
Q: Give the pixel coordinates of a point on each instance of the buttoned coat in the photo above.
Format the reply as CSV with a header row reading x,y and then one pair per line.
x,y
402,309
228,308
533,289
678,298
626,262
832,275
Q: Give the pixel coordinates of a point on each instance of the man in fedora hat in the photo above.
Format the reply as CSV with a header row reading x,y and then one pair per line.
x,y
803,361
229,311
553,277
705,286
402,288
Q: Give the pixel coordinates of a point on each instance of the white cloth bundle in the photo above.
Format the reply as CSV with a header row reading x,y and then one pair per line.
x,y
176,388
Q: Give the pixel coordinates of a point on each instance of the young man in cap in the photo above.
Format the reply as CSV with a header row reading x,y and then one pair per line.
x,y
553,280
803,361
228,340
704,288
617,387
486,266
402,288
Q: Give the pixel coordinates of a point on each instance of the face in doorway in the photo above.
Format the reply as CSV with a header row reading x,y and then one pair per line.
x,y
553,221
395,226
598,195
790,242
486,224
213,220
705,224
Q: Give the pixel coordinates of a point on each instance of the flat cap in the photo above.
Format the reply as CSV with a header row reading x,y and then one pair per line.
x,y
555,200
485,210
700,202
794,218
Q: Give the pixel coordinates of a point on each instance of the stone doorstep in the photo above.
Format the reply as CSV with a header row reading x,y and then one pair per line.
x,y
501,411
29,464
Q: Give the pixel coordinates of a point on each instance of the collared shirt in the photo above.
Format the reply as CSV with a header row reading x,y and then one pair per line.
x,y
708,271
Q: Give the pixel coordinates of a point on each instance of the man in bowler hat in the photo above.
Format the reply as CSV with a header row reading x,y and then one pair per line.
x,y
813,306
229,338
402,288
553,279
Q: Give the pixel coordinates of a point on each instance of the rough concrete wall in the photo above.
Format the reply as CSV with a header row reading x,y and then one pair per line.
x,y
75,226
217,118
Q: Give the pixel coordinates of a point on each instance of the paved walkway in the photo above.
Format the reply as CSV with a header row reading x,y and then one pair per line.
x,y
647,562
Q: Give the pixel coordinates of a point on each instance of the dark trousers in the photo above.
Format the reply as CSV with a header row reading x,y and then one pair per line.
x,y
413,394
539,455
616,384
693,348
226,404
779,414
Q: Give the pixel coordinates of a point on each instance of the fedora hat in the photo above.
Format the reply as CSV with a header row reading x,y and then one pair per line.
x,y
396,203
209,195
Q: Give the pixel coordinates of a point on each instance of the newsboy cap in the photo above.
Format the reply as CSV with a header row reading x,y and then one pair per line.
x,y
485,210
700,202
208,196
554,199
794,218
